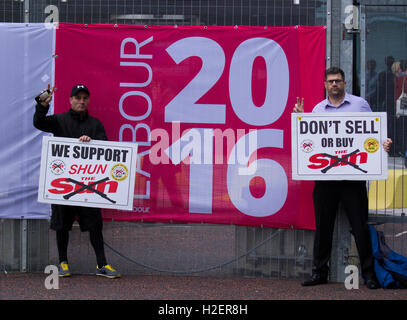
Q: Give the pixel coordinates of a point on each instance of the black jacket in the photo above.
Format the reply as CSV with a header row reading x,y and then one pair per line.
x,y
68,124
71,125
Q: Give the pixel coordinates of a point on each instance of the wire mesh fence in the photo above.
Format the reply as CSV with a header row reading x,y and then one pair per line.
x,y
384,69
170,12
158,248
193,249
198,249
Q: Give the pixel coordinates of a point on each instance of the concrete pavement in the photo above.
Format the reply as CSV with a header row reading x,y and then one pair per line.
x,y
31,286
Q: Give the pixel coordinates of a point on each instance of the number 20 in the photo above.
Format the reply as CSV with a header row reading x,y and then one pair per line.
x,y
184,108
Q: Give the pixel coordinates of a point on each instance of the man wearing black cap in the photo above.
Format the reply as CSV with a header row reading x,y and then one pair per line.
x,y
75,123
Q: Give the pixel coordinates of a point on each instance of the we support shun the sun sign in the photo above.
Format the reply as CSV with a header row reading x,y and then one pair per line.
x,y
339,146
91,174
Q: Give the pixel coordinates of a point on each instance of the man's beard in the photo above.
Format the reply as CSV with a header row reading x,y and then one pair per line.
x,y
337,94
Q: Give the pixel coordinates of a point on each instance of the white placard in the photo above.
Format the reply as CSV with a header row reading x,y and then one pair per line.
x,y
339,146
97,174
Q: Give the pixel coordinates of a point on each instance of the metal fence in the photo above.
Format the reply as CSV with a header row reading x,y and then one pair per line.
x,y
157,248
382,25
134,248
197,249
170,12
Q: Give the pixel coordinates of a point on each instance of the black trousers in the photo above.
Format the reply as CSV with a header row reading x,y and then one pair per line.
x,y
352,195
96,240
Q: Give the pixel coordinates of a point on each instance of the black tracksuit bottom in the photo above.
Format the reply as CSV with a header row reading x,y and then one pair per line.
x,y
353,197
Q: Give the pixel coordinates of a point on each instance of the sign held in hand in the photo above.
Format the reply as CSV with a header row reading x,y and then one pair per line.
x,y
339,146
91,174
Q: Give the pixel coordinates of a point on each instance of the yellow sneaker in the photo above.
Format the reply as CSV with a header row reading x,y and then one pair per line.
x,y
107,271
63,269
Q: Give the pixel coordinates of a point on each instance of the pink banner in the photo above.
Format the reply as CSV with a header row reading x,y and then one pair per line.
x,y
210,109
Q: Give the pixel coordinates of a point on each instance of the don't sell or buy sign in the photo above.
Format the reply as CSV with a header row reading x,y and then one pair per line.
x,y
339,146
92,174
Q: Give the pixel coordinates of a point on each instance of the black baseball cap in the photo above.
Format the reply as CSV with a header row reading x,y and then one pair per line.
x,y
77,88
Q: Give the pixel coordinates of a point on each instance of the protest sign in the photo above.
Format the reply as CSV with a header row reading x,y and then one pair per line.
x,y
91,174
339,146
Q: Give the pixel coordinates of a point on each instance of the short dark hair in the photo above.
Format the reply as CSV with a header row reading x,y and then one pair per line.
x,y
334,70
403,65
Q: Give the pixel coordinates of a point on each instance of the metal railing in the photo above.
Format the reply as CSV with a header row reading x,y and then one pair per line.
x,y
26,245
170,248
